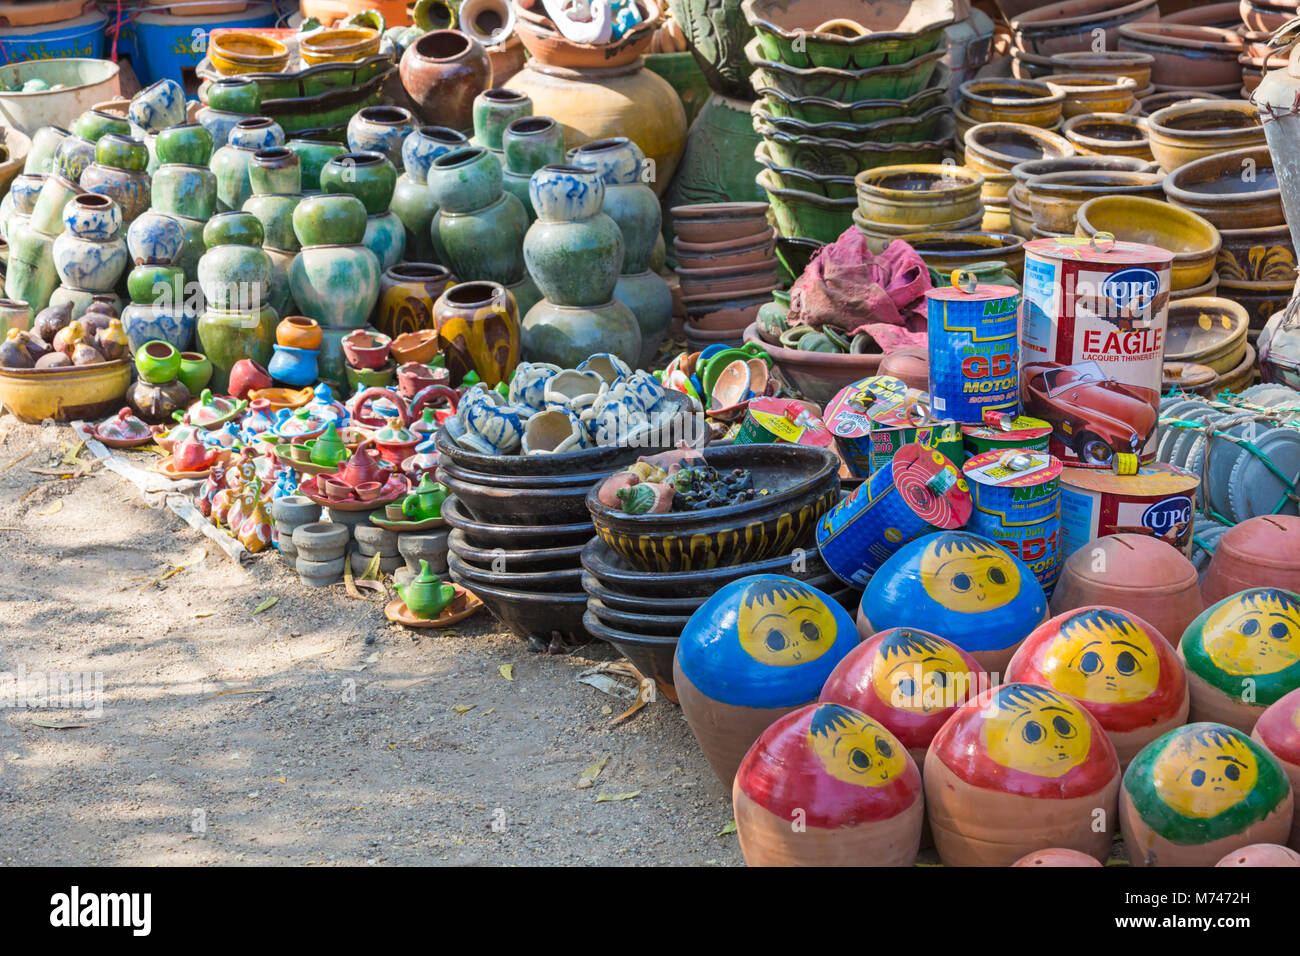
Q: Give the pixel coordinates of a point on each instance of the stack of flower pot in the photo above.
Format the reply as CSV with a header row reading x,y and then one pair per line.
x,y
158,310
897,201
371,177
235,275
158,393
275,177
372,541
1038,32
837,101
368,363
319,550
574,252
185,188
295,362
412,202
1031,102
90,255
230,162
726,267
528,144
993,149
291,512
417,546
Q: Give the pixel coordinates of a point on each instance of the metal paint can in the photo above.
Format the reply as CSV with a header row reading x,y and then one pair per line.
x,y
1160,501
973,350
1022,431
876,417
1017,503
774,420
915,493
1092,337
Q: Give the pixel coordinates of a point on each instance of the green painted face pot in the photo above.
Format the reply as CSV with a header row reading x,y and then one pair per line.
x,y
189,144
185,191
371,177
330,220
275,213
94,124
235,94
121,152
465,180
233,229
276,169
314,154
151,284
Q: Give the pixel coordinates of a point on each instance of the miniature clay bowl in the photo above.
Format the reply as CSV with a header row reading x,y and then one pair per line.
x,y
1215,189
1091,93
1109,134
514,536
1194,242
533,614
997,147
515,559
802,483
1135,65
651,654
1185,132
818,376
563,580
519,505
1208,331
1055,199
1012,101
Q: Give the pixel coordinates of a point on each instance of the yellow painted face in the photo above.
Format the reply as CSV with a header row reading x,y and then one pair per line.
x,y
920,676
1201,775
1036,731
969,577
854,748
1103,657
1253,634
782,623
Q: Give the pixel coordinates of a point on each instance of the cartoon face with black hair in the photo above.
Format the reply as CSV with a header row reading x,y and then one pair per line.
x,y
854,748
968,574
918,673
1035,730
783,623
1204,772
1254,632
1102,656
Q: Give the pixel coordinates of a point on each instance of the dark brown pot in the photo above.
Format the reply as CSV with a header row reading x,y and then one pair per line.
x,y
407,292
1258,553
157,403
443,71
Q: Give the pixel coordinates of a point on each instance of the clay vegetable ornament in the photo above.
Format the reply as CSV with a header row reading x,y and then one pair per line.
x,y
426,596
1199,792
1242,655
425,502
974,592
646,498
1116,665
759,648
828,786
1019,768
1278,729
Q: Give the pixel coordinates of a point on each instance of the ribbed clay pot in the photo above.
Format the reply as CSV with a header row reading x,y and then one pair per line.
x,y
443,71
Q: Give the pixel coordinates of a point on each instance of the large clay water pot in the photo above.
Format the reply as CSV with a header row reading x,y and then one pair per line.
x,y
595,104
1019,768
1200,792
1260,552
966,588
443,71
827,785
229,336
760,648
1119,667
1278,729
1242,655
412,202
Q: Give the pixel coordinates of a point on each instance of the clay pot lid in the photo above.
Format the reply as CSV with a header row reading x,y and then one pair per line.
x,y
1056,856
1268,540
1132,562
1262,854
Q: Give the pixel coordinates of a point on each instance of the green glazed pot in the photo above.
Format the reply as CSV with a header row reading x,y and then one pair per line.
x,y
151,284
566,336
385,236
413,205
516,184
45,144
158,362
121,152
494,110
235,94
230,166
371,177
227,336
74,156
280,295
465,180
276,169
233,228
330,220
188,144
275,213
335,285
486,244
574,251
234,272
93,124
530,143
29,275
313,155
196,371
194,248
651,301
184,190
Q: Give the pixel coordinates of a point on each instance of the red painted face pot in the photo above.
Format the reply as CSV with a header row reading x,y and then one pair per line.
x,y
1119,667
1278,729
827,785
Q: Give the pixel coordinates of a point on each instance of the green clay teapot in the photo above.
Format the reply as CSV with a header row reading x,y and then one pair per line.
x,y
425,502
426,596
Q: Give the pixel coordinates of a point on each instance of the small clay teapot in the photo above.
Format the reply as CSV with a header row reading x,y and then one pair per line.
x,y
193,455
426,501
361,467
426,596
328,449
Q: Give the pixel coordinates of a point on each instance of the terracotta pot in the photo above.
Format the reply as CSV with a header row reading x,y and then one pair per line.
x,y
1056,856
911,363
299,332
747,250
1278,729
1072,25
1012,101
546,45
1214,188
443,71
365,350
1171,815
818,376
1255,553
1055,199
994,793
1109,134
845,776
1186,132
1187,56
407,293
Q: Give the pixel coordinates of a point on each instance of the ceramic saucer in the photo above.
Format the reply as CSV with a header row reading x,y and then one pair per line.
x,y
462,606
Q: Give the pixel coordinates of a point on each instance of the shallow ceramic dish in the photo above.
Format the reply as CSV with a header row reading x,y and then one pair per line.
x,y
896,81
549,47
563,580
86,392
493,479
404,527
1193,240
464,604
818,109
520,505
891,31
484,535
340,45
644,621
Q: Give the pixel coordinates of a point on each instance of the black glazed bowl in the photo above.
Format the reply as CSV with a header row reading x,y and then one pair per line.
x,y
526,482
651,654
558,581
669,625
516,505
534,615
515,559
513,536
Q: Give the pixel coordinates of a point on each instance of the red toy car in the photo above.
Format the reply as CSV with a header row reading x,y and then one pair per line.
x,y
1096,416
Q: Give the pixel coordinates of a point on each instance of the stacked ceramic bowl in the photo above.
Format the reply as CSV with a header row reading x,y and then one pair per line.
x,y
897,201
1203,59
842,87
993,149
726,266
1031,102
1039,32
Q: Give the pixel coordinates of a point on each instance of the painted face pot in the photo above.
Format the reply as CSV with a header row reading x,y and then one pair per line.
x,y
1054,856
1242,655
975,593
844,777
756,650
1116,665
1019,768
1200,792
1278,729
1262,854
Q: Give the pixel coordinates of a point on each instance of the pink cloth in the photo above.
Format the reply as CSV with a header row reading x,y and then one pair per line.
x,y
848,287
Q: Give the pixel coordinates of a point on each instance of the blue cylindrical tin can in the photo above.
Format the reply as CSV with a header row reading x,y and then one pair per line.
x,y
974,354
1017,503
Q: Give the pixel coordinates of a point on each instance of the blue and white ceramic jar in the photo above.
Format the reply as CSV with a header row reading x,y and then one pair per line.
x,y
155,238
158,106
381,129
90,255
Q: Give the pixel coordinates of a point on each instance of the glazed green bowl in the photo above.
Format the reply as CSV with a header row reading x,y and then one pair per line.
x,y
817,109
788,177
807,215
788,31
895,81
837,157
901,129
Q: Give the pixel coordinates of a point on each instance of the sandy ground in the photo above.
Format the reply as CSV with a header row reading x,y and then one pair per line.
x,y
312,733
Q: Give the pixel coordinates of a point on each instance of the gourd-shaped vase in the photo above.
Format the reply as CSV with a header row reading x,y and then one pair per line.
x,y
159,309
412,202
381,129
90,254
527,145
370,177
235,275
494,110
230,162
275,175
479,228
119,173
335,278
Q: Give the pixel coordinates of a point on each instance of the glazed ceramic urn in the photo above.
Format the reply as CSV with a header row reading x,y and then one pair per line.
x,y
334,279
573,251
975,593
443,71
478,331
1200,792
909,680
828,786
1242,655
1119,667
412,202
1019,768
1143,575
407,294
1278,729
1263,551
90,254
478,231
380,129
759,648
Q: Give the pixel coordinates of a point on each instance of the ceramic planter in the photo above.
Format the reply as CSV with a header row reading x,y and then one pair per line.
x,y
275,213
30,275
628,200
381,129
918,195
181,190
385,236
567,335
1109,134
443,71
93,124
365,350
493,111
155,238
478,330
371,177
1194,241
73,156
258,132
275,169
227,337
425,144
407,293
1030,102
1214,188
337,285
81,258
465,180
155,284
329,220
158,106
528,144
293,367
234,272
195,372
158,362
218,123
230,167
130,189
235,94
45,144
313,155
1186,132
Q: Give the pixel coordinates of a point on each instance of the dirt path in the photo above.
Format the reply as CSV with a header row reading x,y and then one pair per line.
x,y
337,738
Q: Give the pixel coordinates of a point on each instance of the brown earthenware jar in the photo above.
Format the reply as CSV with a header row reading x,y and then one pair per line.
x,y
407,292
443,71
1258,553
